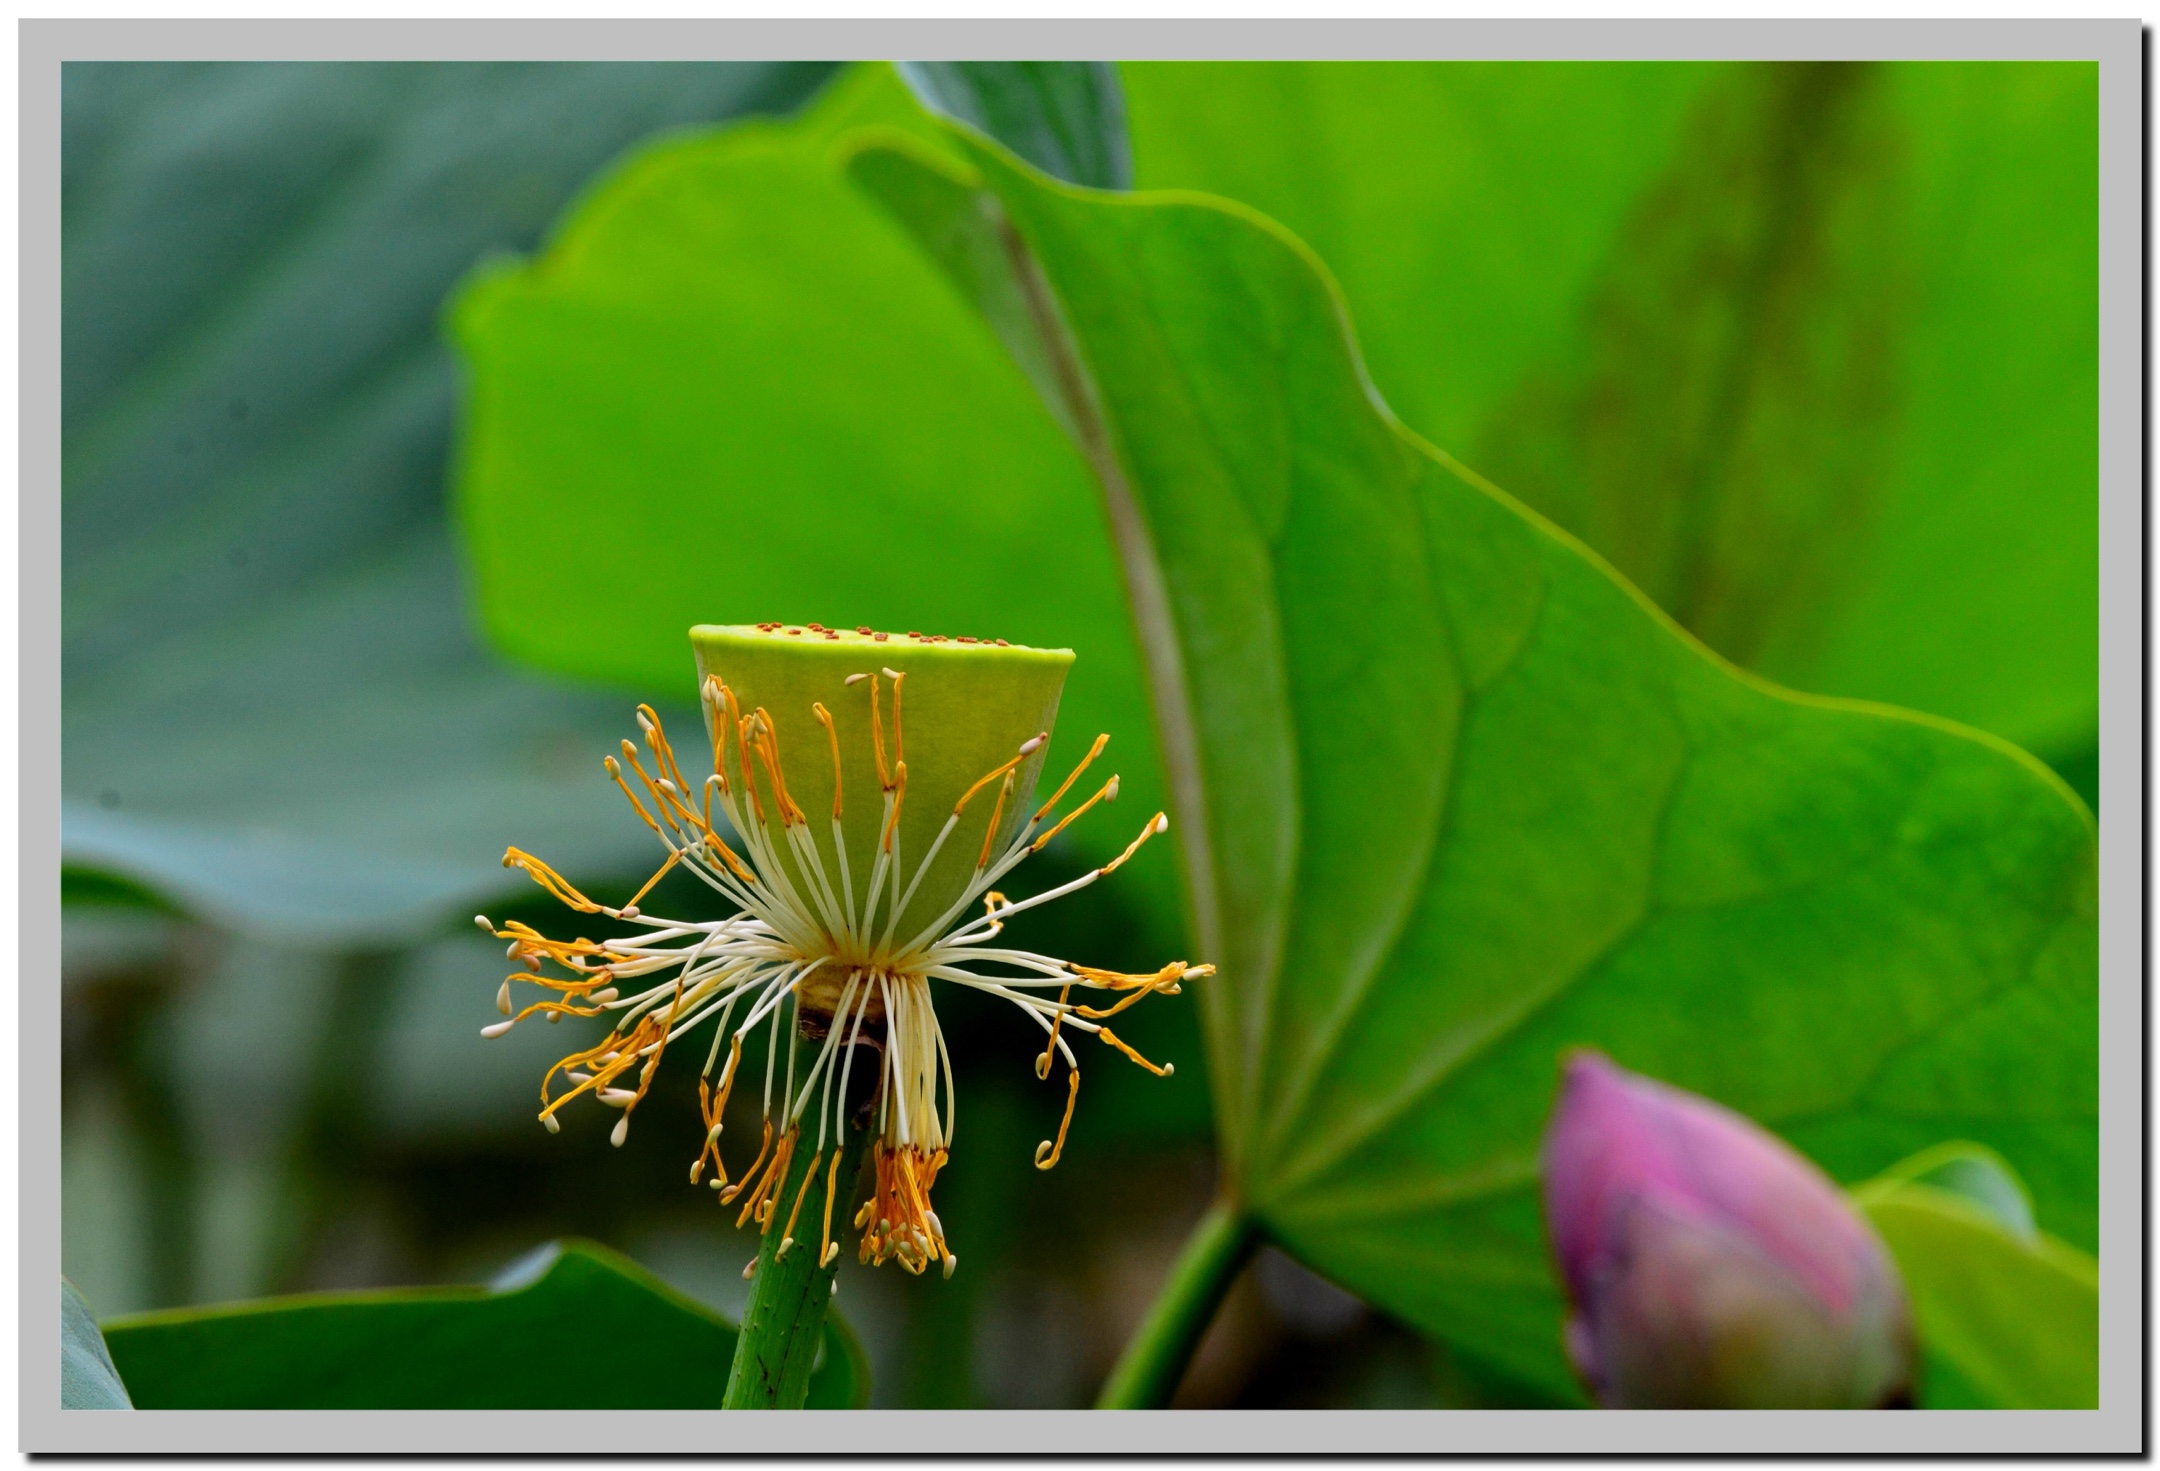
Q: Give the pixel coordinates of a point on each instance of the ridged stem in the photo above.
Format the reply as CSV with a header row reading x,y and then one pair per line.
x,y
785,1317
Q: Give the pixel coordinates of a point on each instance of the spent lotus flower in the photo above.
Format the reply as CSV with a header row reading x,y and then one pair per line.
x,y
879,788
1710,1265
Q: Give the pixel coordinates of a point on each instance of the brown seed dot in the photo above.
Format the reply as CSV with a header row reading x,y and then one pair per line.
x,y
863,629
966,640
831,635
1003,645
815,627
794,630
881,637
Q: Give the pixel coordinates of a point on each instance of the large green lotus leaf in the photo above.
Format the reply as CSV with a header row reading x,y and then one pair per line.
x,y
1456,797
574,1327
731,390
1809,352
273,711
2007,1318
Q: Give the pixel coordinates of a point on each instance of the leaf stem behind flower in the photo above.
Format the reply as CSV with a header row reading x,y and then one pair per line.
x,y
1154,1361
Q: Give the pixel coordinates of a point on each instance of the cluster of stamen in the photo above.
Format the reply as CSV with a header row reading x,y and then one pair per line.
x,y
799,937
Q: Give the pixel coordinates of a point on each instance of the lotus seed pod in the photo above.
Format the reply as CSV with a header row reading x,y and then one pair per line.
x,y
1710,1265
962,709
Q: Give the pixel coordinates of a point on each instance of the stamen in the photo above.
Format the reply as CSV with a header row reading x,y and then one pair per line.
x,y
1166,1070
827,1247
1160,824
712,1103
714,700
768,751
1164,980
892,818
614,771
1057,1151
997,813
988,777
727,1196
742,759
877,737
899,742
1109,790
1059,795
775,1173
787,1232
825,718
547,878
1042,1064
630,910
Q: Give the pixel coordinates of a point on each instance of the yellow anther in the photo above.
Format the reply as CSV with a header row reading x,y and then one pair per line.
x,y
1085,761
1057,1151
1112,1038
825,718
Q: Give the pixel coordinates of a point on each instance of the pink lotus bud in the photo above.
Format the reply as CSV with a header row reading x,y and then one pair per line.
x,y
1710,1265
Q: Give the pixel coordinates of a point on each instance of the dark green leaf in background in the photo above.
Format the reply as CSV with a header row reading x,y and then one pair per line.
x,y
1467,799
1065,117
1808,351
2008,1317
574,1326
88,1380
273,711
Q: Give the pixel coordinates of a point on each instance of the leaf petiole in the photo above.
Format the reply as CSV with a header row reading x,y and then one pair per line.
x,y
1149,1370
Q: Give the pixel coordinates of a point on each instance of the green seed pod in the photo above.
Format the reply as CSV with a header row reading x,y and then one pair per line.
x,y
956,713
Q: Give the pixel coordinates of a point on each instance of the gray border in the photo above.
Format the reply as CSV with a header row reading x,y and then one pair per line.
x,y
37,791
2117,1426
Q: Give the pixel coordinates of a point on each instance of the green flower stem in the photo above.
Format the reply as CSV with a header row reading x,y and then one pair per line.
x,y
784,1320
1153,1363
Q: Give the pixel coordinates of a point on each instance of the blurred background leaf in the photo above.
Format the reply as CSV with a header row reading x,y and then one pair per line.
x,y
513,1345
273,711
2008,1315
88,1380
1809,352
1472,802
